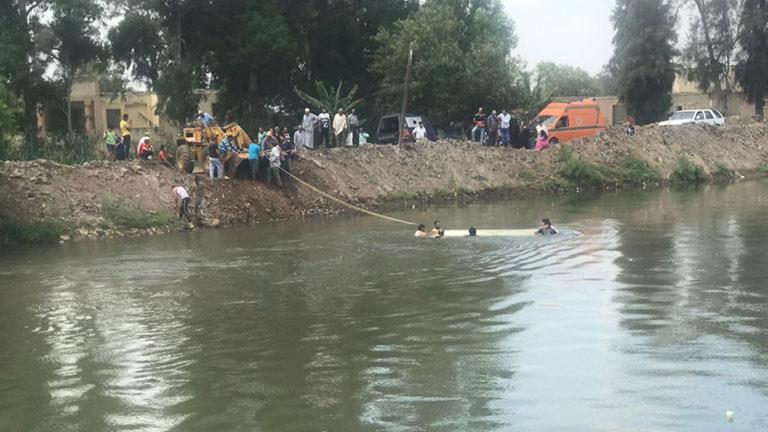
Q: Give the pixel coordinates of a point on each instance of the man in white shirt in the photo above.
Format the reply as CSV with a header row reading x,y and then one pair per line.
x,y
340,128
182,200
420,132
298,139
504,119
274,165
325,129
308,128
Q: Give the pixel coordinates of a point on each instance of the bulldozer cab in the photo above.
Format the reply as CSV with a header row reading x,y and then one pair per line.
x,y
215,134
193,157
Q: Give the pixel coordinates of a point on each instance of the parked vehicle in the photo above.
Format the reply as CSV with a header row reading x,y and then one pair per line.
x,y
711,117
570,121
389,127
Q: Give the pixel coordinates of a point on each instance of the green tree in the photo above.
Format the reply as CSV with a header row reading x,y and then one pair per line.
x,y
19,59
643,53
11,107
564,80
74,39
462,59
753,66
707,56
163,44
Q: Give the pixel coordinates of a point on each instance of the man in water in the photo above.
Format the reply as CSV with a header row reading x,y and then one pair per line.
x,y
421,231
472,232
546,228
437,230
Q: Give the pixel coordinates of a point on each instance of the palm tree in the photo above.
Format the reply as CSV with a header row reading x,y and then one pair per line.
x,y
331,101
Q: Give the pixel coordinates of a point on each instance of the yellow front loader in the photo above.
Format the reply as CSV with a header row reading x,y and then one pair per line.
x,y
192,150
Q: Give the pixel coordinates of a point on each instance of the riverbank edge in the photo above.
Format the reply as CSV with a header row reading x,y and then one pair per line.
x,y
62,230
38,195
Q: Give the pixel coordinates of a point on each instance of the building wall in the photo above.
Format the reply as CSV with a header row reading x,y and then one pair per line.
x,y
140,107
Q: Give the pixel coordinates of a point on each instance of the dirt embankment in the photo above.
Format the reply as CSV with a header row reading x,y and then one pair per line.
x,y
369,176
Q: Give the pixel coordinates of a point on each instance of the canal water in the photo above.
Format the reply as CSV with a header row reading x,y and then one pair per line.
x,y
650,313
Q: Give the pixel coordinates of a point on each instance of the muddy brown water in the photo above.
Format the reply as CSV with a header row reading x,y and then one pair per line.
x,y
653,318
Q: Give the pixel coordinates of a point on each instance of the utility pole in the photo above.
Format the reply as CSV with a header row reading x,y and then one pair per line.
x,y
405,94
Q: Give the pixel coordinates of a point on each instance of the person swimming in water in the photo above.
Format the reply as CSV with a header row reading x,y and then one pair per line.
x,y
421,231
472,232
546,228
437,230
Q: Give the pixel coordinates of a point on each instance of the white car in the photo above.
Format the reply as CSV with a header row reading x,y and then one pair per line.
x,y
703,116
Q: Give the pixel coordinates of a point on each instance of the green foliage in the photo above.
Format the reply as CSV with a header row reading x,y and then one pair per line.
x,y
461,59
642,59
74,42
637,172
331,100
763,168
176,93
16,232
687,171
137,44
11,108
751,70
582,173
711,44
564,80
70,149
531,95
125,215
632,171
722,172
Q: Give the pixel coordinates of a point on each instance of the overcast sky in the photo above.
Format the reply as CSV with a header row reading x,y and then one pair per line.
x,y
574,32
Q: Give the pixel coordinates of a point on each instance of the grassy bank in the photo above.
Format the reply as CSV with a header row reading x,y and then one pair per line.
x,y
123,215
16,232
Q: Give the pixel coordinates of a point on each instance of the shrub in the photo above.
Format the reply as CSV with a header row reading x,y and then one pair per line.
x,y
125,215
15,232
67,149
637,172
763,168
582,173
687,171
723,172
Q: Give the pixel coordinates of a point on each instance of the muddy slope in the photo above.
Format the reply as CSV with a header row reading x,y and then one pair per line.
x,y
369,176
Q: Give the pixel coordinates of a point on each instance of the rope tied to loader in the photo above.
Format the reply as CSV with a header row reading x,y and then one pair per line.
x,y
346,204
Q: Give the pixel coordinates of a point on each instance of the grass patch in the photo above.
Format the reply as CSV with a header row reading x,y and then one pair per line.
x,y
125,215
638,172
15,232
526,176
722,172
763,168
632,171
582,173
687,171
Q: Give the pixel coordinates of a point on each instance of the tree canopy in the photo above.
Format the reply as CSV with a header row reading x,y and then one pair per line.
x,y
451,75
642,58
564,80
752,70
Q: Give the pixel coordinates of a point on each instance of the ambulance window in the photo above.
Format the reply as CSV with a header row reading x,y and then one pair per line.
x,y
562,123
709,114
699,116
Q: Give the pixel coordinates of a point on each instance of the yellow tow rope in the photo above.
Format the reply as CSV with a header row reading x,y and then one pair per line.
x,y
346,204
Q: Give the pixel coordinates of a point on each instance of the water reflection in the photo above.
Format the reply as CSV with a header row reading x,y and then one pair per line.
x,y
653,318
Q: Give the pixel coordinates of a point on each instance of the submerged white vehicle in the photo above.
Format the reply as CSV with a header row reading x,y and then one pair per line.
x,y
711,117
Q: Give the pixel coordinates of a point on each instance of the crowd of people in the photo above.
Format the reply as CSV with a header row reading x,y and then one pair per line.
x,y
505,129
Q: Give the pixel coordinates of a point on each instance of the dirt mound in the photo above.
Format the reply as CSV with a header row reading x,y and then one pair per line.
x,y
368,176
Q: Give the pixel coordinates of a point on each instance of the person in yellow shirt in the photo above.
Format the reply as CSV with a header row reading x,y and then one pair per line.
x,y
125,132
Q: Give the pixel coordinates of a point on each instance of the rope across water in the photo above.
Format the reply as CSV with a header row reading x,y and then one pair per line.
x,y
346,204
